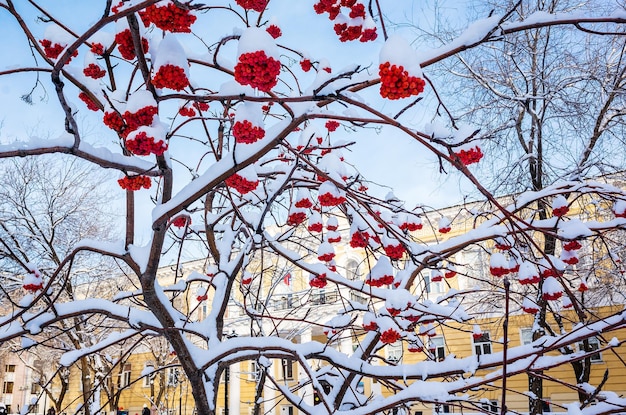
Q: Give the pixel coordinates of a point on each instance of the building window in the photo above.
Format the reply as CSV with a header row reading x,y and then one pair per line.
x,y
7,387
255,371
352,270
202,311
594,344
443,409
35,389
526,335
149,375
124,377
9,368
319,297
287,366
435,287
437,348
173,376
358,297
482,345
286,301
394,352
489,405
286,410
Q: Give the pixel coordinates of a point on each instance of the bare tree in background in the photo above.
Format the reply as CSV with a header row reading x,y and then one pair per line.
x,y
551,103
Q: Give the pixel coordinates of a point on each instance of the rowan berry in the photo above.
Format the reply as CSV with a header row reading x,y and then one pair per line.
x,y
396,83
257,70
94,71
88,101
124,40
169,18
170,76
246,133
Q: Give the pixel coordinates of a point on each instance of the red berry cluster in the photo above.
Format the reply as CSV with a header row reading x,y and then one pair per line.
x,y
327,257
319,281
181,221
315,227
471,156
396,83
256,5
142,145
169,18
143,116
560,211
201,106
296,218
257,70
135,182
202,297
187,112
394,251
52,51
371,326
411,226
347,31
304,203
114,121
170,76
274,31
552,296
306,65
389,336
191,112
33,287
530,308
368,35
241,184
379,282
94,71
334,237
332,125
572,245
116,8
328,199
124,40
529,279
88,101
359,239
246,133
97,48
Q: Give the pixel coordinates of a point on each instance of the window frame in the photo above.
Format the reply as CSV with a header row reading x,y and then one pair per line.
x,y
481,344
524,339
173,374
123,380
440,349
255,371
395,352
594,344
7,387
491,406
287,366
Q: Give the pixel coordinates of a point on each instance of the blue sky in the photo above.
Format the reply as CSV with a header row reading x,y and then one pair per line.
x,y
386,158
